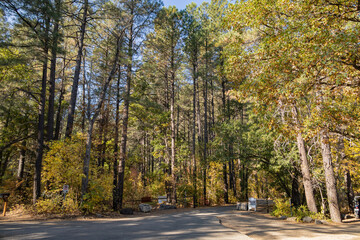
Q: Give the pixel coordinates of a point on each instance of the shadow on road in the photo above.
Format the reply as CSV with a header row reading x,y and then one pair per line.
x,y
199,224
261,226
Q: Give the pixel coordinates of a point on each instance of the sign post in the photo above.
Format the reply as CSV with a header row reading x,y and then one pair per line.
x,y
65,190
252,204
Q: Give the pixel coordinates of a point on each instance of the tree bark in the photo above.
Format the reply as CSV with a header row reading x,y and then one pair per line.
x,y
123,142
295,194
116,143
85,179
83,110
20,173
305,170
74,90
41,116
349,190
347,175
61,98
223,98
205,122
172,113
86,165
194,133
51,106
59,111
329,177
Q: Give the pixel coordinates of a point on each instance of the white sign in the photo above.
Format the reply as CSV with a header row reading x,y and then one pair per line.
x,y
66,189
162,199
252,204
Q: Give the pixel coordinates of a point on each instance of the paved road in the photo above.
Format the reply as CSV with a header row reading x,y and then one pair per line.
x,y
197,224
263,227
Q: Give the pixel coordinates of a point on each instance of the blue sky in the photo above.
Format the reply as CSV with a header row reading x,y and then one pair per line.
x,y
181,4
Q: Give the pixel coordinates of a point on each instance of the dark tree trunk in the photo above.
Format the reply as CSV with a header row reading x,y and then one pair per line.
x,y
205,122
4,164
349,190
223,98
347,177
172,113
83,110
61,98
41,119
86,165
116,143
51,106
74,90
121,167
295,194
193,153
226,186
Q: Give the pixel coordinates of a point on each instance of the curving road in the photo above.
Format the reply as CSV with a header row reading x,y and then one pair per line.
x,y
197,224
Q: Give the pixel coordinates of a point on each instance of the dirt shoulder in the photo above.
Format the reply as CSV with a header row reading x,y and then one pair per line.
x,y
264,226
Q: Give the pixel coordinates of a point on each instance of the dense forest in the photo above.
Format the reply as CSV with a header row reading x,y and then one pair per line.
x,y
213,104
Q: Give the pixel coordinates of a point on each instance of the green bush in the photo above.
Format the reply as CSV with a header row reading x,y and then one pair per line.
x,y
301,212
49,206
282,208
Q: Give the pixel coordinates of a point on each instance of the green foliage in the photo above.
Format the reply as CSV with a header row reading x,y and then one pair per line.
x,y
63,164
99,195
52,205
301,212
282,208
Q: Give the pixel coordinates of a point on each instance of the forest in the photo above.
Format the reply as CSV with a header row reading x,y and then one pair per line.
x,y
213,104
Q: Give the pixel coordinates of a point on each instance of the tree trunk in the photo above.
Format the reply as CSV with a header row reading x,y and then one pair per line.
x,y
172,113
70,120
295,194
349,190
116,143
329,177
51,110
61,98
194,134
86,165
205,122
308,186
347,176
121,167
20,173
85,179
305,170
83,110
59,112
226,186
41,121
223,98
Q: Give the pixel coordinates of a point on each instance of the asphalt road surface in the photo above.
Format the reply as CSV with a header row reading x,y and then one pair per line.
x,y
197,224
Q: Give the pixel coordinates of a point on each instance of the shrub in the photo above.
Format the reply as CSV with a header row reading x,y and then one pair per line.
x,y
301,212
282,208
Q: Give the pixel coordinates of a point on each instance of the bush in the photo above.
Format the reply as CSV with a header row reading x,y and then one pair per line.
x,y
301,212
50,206
282,208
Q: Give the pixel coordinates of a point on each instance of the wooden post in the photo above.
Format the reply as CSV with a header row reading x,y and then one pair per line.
x,y
5,197
5,203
